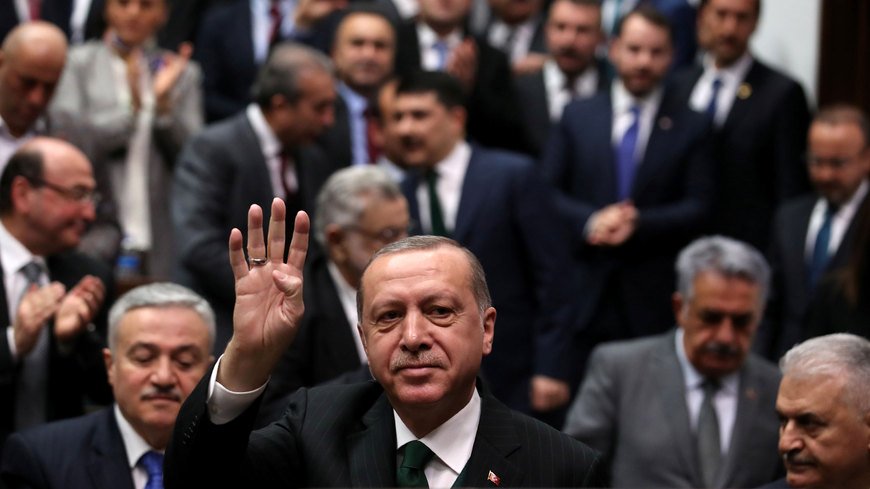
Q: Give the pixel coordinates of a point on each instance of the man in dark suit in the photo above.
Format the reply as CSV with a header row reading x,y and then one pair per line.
x,y
426,323
60,13
571,70
813,235
359,210
690,408
160,339
252,157
495,204
760,118
438,41
516,28
635,181
51,296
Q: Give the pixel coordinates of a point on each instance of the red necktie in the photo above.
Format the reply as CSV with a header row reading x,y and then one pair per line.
x,y
373,141
34,9
276,17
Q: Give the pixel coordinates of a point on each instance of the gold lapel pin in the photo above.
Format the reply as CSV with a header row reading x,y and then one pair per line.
x,y
744,91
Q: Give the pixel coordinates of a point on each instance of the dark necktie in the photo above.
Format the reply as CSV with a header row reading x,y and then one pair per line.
x,y
414,460
152,462
275,19
436,212
30,398
820,250
714,96
373,144
34,7
32,271
625,156
709,447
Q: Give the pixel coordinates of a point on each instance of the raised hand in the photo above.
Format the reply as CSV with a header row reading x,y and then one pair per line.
x,y
548,393
35,308
462,63
167,76
268,305
78,308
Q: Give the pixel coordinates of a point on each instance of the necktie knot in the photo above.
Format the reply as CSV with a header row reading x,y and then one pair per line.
x,y
410,473
152,462
440,48
32,271
711,386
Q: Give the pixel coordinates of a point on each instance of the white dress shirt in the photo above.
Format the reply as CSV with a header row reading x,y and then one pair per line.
x,y
426,38
347,298
558,94
725,399
14,256
356,107
271,148
731,77
136,446
261,25
839,223
451,175
623,101
78,19
9,144
515,41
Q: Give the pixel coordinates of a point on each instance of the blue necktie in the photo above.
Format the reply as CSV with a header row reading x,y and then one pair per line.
x,y
625,156
820,249
714,96
152,462
440,48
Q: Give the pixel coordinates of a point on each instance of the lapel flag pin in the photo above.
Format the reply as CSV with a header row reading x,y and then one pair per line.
x,y
493,478
744,91
751,394
665,123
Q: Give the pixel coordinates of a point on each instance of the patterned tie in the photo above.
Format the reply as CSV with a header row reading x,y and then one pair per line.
x,y
410,473
440,48
436,212
714,98
32,271
820,250
625,156
30,397
152,462
709,447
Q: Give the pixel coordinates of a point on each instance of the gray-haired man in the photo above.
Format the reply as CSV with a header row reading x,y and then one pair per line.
x,y
691,407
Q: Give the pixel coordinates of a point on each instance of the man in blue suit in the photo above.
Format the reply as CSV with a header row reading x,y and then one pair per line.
x,y
493,203
634,180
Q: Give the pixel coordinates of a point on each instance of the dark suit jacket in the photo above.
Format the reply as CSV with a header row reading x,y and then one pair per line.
x,y
81,453
672,190
219,174
72,377
790,294
336,140
632,408
492,116
58,12
760,150
506,218
344,436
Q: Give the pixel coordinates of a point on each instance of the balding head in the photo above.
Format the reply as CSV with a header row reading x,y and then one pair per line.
x,y
31,63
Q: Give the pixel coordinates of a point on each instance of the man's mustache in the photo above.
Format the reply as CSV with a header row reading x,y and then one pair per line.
x,y
425,358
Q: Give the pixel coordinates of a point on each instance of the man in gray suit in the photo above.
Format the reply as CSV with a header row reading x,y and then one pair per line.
x,y
691,407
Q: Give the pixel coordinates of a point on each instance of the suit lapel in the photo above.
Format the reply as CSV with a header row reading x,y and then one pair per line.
x,y
743,101
749,409
4,306
597,129
409,187
107,460
493,446
372,450
661,138
475,190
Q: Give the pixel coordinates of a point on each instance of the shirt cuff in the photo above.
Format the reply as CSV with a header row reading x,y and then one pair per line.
x,y
225,405
10,339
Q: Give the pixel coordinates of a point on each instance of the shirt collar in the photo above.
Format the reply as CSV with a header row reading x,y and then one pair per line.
x,y
345,291
734,73
356,103
134,444
555,78
39,127
269,143
452,441
692,378
623,100
13,254
427,36
452,167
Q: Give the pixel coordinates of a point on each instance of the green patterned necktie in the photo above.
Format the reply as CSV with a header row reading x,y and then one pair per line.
x,y
410,473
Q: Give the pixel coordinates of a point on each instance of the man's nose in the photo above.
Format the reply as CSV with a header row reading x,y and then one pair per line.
x,y
789,439
163,373
415,332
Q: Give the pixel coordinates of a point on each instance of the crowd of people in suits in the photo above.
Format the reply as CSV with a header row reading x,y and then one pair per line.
x,y
659,215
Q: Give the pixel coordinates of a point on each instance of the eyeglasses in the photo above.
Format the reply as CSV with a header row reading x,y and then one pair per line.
x,y
82,195
715,318
386,236
815,162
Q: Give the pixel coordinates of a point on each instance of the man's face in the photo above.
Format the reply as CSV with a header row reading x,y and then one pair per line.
x,y
425,130
306,119
159,356
838,160
384,221
28,78
514,12
58,208
135,21
573,32
718,322
824,440
641,54
363,51
444,15
727,26
423,332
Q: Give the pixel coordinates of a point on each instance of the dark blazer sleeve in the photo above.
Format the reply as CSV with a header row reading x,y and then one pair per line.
x,y
21,468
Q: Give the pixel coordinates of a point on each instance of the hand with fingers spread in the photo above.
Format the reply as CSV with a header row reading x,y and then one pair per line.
x,y
36,307
78,308
268,305
173,66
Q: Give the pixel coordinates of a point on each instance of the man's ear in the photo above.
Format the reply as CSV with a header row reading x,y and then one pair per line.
x,y
108,361
677,304
488,330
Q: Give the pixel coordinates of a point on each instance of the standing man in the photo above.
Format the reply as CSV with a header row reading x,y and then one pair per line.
x,y
824,408
691,407
50,352
31,63
570,72
635,182
813,235
160,339
496,205
257,155
426,323
760,118
363,53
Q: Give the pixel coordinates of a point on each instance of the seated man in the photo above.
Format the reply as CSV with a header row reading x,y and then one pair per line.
x,y
691,407
426,323
824,411
160,338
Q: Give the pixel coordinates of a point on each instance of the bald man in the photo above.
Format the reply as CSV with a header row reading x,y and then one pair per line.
x,y
31,61
51,296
